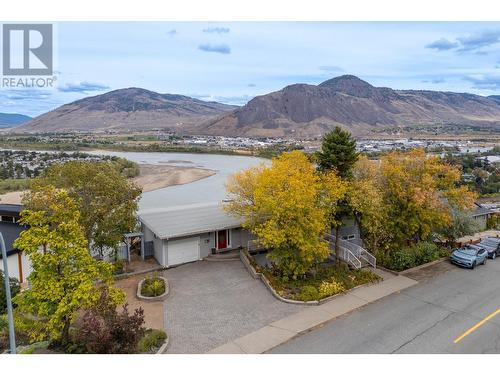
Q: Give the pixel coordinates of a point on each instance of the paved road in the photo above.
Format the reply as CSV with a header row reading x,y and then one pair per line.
x,y
426,318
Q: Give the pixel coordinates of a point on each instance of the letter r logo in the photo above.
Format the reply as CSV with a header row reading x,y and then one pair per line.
x,y
27,49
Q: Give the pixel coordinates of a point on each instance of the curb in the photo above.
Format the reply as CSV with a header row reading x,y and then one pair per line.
x,y
277,333
263,278
125,275
423,266
161,297
164,347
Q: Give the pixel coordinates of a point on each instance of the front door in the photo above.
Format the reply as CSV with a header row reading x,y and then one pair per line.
x,y
222,239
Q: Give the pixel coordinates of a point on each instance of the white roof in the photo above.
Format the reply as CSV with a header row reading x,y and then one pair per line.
x,y
187,220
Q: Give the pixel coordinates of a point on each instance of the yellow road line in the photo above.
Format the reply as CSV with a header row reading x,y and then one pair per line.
x,y
472,329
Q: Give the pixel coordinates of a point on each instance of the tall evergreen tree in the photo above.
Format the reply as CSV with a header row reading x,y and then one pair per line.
x,y
338,153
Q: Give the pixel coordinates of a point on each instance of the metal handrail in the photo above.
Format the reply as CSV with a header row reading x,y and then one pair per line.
x,y
356,250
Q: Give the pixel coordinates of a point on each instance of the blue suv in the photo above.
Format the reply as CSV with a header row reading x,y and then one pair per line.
x,y
469,256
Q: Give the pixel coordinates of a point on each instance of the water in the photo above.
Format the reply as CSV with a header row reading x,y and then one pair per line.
x,y
210,189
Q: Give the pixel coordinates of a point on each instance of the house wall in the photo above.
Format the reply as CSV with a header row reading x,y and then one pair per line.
x,y
207,243
350,229
481,221
13,264
158,245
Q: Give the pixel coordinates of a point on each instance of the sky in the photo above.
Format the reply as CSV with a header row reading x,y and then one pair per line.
x,y
233,62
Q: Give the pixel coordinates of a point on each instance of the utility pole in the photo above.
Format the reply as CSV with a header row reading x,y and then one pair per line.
x,y
12,336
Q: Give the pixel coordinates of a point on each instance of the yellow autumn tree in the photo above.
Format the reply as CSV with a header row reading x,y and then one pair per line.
x,y
420,191
366,198
287,206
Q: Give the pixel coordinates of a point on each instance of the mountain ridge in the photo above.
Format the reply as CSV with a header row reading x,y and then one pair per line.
x,y
297,110
304,111
127,109
10,120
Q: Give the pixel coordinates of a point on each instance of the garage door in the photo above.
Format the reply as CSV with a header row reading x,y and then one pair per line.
x,y
183,251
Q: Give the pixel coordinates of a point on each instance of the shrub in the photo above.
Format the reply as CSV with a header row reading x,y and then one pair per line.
x,y
119,267
426,252
309,293
402,259
14,289
25,329
412,256
103,330
153,286
151,341
330,288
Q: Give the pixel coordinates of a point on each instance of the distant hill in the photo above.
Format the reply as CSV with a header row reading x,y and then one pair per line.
x,y
495,97
127,109
302,110
9,120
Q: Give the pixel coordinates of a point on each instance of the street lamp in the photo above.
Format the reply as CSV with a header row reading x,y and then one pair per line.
x,y
12,336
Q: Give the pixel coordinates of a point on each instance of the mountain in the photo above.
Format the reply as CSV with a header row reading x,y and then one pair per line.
x,y
127,109
495,97
10,120
302,110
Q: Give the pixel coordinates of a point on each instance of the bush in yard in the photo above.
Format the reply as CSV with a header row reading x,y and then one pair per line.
x,y
426,252
412,256
152,340
330,288
14,289
153,286
23,328
103,330
309,293
119,267
402,259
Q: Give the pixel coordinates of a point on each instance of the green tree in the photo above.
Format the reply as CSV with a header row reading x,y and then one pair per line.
x,y
65,278
106,200
287,206
462,224
338,153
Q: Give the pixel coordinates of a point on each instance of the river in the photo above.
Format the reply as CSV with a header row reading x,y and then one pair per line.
x,y
210,189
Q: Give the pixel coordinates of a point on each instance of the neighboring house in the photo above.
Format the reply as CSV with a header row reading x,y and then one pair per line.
x,y
481,214
18,263
188,233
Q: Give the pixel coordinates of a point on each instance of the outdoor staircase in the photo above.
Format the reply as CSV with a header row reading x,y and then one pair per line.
x,y
352,254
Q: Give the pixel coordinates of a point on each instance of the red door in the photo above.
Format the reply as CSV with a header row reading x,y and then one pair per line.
x,y
221,239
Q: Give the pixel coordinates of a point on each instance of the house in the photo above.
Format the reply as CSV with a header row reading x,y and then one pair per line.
x,y
18,263
188,233
481,214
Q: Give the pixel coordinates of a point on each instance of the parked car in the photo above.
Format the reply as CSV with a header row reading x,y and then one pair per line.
x,y
491,245
469,256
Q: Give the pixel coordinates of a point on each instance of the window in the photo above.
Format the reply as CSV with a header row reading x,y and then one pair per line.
x,y
8,219
349,237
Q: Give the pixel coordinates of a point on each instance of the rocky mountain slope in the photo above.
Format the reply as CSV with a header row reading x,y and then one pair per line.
x,y
127,109
302,110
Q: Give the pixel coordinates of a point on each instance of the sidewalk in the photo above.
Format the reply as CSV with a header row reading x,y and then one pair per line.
x,y
307,319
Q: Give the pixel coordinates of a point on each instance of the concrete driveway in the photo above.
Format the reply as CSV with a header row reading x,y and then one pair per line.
x,y
211,303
